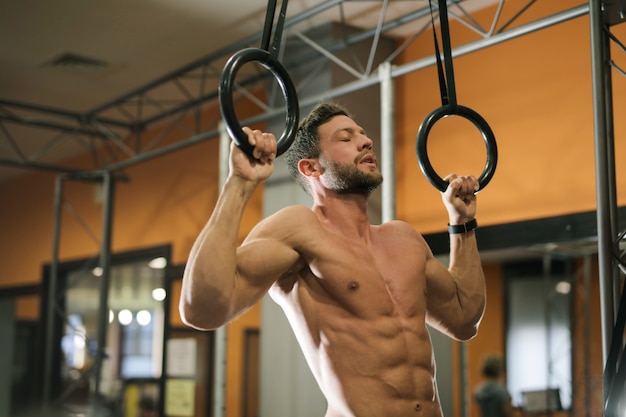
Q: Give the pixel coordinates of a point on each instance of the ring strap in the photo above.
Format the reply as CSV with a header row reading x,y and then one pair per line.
x,y
447,87
267,56
273,47
450,107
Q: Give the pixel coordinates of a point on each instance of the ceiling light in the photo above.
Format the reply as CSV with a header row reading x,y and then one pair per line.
x,y
158,294
125,317
144,317
158,263
563,287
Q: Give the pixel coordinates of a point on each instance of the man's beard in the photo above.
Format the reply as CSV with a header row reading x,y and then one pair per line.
x,y
348,179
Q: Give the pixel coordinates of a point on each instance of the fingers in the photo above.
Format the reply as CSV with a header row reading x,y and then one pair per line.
x,y
264,144
460,198
463,188
463,185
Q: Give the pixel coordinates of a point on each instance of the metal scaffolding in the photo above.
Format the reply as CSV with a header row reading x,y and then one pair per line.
x,y
114,132
602,16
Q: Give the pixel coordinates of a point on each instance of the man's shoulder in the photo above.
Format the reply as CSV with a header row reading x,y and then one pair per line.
x,y
398,226
290,225
292,213
290,218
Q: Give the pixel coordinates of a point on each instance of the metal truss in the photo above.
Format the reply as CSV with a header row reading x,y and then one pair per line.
x,y
114,133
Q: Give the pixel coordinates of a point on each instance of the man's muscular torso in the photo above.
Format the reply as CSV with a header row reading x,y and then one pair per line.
x,y
357,306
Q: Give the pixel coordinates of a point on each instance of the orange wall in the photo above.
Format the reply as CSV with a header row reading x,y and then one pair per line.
x,y
490,338
535,93
165,200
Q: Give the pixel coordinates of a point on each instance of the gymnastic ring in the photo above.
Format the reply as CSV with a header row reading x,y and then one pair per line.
x,y
227,106
478,121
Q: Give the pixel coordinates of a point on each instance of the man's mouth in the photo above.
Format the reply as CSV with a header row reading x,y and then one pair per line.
x,y
368,159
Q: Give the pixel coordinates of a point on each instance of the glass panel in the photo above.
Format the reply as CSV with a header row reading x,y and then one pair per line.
x,y
135,326
539,345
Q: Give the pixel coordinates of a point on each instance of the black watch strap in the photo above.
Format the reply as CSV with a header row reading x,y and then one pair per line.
x,y
462,228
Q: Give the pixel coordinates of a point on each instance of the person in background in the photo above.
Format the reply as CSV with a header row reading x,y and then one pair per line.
x,y
492,396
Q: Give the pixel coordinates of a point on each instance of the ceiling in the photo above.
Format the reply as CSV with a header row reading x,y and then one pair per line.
x,y
60,61
73,69
139,41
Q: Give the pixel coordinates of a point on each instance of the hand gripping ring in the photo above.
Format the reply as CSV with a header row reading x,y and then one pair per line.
x,y
227,107
478,121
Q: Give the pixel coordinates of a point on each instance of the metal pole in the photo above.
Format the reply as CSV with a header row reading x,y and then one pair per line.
x,y
52,292
105,264
602,184
388,151
221,334
587,333
464,378
548,306
610,163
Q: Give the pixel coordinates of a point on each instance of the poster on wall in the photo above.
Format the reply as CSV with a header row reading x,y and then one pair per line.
x,y
180,397
181,357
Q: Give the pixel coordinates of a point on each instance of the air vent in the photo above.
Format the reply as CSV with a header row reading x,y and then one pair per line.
x,y
77,63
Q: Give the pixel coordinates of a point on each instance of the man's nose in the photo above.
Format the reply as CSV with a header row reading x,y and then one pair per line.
x,y
367,143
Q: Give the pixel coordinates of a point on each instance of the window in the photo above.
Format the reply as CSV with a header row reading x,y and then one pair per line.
x,y
538,339
133,323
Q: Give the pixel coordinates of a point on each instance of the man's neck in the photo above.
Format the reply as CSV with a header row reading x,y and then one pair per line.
x,y
345,213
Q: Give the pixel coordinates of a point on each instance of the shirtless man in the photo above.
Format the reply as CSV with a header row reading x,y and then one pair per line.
x,y
358,296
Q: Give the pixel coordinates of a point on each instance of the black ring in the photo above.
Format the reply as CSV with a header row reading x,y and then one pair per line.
x,y
479,122
227,106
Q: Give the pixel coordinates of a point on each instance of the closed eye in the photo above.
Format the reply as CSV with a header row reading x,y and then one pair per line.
x,y
347,134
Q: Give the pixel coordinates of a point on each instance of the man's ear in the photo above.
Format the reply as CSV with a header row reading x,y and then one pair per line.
x,y
310,167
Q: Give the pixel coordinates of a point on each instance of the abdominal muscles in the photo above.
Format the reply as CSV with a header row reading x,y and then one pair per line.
x,y
379,367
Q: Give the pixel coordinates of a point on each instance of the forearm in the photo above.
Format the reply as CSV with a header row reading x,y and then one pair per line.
x,y
466,269
211,270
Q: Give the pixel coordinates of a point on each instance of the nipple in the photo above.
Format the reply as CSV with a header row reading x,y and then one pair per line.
x,y
353,285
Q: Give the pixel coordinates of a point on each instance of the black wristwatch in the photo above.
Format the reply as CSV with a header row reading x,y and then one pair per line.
x,y
462,228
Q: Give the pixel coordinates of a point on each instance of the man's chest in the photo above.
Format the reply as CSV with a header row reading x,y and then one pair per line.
x,y
388,275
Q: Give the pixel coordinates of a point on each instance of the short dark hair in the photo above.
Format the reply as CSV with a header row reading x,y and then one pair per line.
x,y
307,142
492,366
